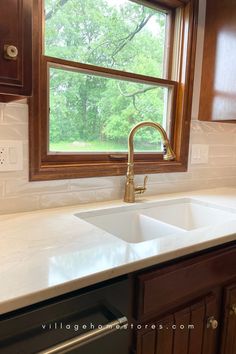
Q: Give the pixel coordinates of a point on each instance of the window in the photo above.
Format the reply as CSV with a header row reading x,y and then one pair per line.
x,y
101,67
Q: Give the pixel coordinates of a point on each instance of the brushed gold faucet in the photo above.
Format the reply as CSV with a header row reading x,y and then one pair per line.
x,y
130,189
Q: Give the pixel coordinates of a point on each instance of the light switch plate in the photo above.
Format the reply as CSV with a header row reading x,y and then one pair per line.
x,y
11,155
199,153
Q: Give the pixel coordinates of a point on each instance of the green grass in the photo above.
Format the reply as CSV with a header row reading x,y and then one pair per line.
x,y
98,146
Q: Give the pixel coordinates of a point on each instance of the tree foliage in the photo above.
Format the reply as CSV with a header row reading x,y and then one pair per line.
x,y
116,34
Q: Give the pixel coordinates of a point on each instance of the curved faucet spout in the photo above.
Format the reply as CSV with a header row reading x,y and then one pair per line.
x,y
169,154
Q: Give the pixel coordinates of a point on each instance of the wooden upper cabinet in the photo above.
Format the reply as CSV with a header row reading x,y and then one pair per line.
x,y
218,85
15,49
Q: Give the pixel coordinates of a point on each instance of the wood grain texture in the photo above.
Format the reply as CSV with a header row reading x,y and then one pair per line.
x,y
163,288
147,343
173,334
46,166
218,85
182,299
197,317
169,3
182,318
229,324
16,29
210,341
165,335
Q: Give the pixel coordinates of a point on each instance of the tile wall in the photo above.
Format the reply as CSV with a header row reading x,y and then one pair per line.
x,y
18,194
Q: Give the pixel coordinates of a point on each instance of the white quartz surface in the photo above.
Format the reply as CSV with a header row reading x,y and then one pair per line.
x,y
51,252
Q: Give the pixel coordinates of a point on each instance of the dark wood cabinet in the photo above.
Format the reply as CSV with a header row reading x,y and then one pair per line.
x,y
15,49
229,323
218,85
185,306
179,307
189,330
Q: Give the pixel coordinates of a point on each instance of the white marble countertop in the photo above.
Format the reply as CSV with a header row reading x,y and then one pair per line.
x,y
51,252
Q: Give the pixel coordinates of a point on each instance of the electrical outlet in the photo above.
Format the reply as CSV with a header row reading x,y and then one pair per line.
x,y
11,155
199,153
3,156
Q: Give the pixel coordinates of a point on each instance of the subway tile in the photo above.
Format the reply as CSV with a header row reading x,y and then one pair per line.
x,y
2,106
94,183
201,173
2,184
18,194
219,182
168,177
217,172
221,139
14,175
222,150
14,132
221,161
24,187
178,186
19,204
26,155
225,127
51,200
210,127
198,138
15,113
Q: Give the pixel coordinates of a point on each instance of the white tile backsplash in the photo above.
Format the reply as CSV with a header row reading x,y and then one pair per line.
x,y
19,203
52,200
15,113
1,189
13,131
18,194
18,187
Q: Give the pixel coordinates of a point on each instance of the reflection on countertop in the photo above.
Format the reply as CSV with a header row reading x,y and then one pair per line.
x,y
50,252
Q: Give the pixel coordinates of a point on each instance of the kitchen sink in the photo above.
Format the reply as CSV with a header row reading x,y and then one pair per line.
x,y
152,220
130,226
189,214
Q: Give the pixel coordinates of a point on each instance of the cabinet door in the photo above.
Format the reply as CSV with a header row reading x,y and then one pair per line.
x,y
191,330
15,47
218,86
229,324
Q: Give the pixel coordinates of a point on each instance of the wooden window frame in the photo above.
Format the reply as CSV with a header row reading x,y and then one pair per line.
x,y
45,165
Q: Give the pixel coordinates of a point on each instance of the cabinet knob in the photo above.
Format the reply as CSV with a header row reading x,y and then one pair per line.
x,y
10,52
212,322
233,309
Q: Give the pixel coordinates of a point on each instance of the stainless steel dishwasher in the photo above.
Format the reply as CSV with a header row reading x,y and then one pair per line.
x,y
91,321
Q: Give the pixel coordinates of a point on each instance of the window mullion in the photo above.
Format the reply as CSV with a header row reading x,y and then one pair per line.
x,y
106,72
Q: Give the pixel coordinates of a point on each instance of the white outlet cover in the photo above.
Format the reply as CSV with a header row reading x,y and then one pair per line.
x,y
199,153
11,155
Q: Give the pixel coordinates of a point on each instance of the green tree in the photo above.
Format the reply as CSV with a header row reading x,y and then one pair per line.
x,y
121,35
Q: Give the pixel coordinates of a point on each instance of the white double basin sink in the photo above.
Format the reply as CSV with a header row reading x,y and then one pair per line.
x,y
147,221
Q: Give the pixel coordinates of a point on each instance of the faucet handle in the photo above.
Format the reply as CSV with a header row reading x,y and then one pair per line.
x,y
145,182
142,189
